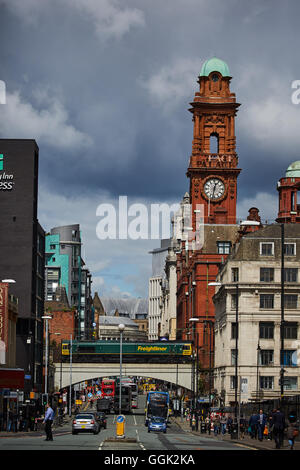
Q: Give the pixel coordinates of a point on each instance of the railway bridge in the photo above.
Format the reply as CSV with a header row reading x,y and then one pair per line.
x,y
180,374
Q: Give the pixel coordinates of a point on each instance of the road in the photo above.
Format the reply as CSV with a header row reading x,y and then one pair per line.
x,y
136,438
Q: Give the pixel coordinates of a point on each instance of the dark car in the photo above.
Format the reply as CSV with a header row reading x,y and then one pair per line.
x,y
101,418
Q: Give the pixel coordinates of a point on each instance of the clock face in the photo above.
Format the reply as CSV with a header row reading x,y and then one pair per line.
x,y
214,188
215,77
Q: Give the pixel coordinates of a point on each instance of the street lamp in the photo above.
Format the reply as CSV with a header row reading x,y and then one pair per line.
x,y
46,317
194,320
121,329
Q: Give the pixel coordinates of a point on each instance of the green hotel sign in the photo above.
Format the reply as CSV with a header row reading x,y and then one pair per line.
x,y
6,180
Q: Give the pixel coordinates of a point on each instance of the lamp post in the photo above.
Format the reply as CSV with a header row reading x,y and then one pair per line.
x,y
194,320
121,329
70,401
46,317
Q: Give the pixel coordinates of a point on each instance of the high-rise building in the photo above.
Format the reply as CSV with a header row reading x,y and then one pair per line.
x,y
65,268
22,243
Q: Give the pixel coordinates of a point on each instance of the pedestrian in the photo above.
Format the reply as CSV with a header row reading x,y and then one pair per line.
x,y
10,420
229,424
270,425
223,422
48,420
253,425
15,421
243,424
292,430
217,424
278,427
261,423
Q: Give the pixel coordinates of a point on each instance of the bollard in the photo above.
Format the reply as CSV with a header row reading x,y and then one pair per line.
x,y
120,427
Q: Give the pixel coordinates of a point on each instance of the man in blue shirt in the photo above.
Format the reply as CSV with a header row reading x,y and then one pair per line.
x,y
48,420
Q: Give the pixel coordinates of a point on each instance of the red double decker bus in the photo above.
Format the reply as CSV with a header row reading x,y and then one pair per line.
x,y
108,388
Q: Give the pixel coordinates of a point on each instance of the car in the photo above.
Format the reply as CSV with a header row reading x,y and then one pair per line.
x,y
85,422
157,423
101,418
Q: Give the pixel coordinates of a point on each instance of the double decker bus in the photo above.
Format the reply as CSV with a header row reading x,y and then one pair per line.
x,y
134,392
108,388
126,399
157,405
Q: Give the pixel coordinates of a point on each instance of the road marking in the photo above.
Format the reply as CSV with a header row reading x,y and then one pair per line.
x,y
134,420
138,441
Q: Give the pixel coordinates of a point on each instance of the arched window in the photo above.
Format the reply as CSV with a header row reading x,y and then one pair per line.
x,y
214,143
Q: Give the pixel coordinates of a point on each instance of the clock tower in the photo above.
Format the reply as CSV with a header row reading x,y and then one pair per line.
x,y
213,167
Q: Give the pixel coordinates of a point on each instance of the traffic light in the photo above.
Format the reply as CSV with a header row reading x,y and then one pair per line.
x,y
45,398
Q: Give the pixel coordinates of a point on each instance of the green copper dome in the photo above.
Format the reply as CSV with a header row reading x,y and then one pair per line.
x,y
293,170
214,65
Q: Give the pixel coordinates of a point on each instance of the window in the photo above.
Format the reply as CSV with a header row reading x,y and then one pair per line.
x,y
224,248
214,143
290,301
266,274
290,383
266,357
267,383
266,301
233,382
290,274
289,358
267,249
233,330
290,330
233,357
290,249
233,301
235,274
266,330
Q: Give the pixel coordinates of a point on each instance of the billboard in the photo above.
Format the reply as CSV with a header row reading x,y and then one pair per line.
x,y
3,321
12,378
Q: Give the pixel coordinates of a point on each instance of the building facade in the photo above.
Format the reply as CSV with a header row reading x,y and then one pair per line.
x,y
251,276
65,268
157,283
23,252
213,171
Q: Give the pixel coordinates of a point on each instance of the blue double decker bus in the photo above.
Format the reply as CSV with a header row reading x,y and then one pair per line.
x,y
157,405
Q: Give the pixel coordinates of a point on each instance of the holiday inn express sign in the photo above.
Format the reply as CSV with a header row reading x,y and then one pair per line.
x,y
6,179
3,321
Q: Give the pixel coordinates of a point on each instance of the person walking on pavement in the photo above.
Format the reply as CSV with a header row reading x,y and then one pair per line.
x,y
223,422
253,425
278,427
217,425
261,423
292,430
48,420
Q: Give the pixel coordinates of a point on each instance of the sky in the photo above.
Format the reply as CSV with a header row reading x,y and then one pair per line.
x,y
104,87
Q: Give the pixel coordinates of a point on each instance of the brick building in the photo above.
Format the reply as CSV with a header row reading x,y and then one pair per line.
x,y
212,172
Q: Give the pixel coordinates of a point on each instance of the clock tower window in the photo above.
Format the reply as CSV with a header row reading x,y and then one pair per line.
x,y
214,143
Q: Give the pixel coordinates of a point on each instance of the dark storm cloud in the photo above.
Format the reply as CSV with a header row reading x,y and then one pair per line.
x,y
105,85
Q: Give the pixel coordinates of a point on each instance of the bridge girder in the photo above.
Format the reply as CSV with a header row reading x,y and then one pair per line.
x,y
178,374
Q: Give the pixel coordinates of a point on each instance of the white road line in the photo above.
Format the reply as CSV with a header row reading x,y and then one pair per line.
x,y
134,420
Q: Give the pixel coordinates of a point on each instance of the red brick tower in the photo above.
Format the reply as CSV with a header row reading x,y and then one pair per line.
x,y
289,195
213,171
213,164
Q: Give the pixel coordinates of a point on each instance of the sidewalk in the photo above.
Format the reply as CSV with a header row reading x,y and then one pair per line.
x,y
39,432
247,441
